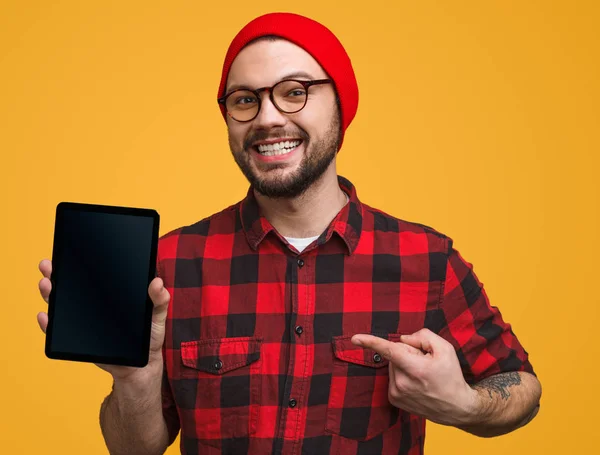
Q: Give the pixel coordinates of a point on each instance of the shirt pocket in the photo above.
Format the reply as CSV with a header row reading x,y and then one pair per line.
x,y
358,406
218,388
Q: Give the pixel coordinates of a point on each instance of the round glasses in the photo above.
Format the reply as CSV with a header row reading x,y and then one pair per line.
x,y
288,96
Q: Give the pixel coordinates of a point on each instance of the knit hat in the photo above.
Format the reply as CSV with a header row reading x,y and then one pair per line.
x,y
314,38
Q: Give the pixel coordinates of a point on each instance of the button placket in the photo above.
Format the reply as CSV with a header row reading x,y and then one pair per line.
x,y
296,390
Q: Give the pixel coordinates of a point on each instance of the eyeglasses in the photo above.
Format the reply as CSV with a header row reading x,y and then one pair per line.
x,y
288,96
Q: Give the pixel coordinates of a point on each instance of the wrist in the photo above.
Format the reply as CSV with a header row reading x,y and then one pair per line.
x,y
140,388
476,407
140,379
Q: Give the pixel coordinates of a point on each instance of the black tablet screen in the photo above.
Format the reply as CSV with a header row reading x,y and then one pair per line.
x,y
103,264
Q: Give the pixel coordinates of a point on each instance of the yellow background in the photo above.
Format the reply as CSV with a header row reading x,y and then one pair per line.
x,y
477,118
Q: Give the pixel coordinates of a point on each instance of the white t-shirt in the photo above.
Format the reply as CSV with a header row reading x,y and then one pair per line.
x,y
301,244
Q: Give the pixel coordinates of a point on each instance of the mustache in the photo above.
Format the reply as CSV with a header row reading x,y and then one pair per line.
x,y
262,135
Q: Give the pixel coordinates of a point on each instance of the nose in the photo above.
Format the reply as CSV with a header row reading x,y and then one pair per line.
x,y
269,116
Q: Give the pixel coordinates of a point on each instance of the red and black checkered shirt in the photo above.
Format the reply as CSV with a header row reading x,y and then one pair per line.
x,y
257,352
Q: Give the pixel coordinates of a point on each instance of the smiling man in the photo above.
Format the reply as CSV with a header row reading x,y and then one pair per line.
x,y
301,320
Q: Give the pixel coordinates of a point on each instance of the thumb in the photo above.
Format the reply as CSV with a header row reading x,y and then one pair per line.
x,y
160,298
425,340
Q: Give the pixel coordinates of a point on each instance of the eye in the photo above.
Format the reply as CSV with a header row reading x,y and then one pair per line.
x,y
297,92
246,99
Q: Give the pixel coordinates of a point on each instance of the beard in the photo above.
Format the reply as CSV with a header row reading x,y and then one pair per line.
x,y
318,155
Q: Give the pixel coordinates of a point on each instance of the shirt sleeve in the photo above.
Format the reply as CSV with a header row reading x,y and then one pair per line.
x,y
484,342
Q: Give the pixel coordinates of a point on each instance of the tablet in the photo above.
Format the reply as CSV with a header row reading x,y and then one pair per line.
x,y
103,260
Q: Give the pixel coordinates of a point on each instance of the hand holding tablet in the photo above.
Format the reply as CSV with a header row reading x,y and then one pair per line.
x,y
105,306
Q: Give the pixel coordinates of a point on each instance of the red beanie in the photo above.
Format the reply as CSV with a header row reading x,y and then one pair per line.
x,y
314,38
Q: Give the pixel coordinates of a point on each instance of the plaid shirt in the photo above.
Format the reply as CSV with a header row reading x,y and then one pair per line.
x,y
257,352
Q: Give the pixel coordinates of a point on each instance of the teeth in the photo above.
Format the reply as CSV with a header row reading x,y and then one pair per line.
x,y
278,149
275,152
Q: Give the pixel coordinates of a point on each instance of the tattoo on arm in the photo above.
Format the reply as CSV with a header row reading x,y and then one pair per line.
x,y
500,383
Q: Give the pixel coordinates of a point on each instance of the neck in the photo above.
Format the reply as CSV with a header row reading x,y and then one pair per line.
x,y
309,214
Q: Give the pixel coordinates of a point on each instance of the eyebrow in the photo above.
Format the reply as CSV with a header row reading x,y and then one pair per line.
x,y
295,74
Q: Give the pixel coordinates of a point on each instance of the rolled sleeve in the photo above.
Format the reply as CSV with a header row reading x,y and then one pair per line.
x,y
484,342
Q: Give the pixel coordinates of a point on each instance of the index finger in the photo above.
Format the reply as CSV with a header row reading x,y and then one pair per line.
x,y
396,353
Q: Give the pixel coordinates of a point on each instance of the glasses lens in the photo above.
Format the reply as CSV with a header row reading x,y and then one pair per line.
x,y
242,105
290,96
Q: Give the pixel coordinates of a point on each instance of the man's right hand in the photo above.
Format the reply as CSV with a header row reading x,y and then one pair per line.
x,y
160,297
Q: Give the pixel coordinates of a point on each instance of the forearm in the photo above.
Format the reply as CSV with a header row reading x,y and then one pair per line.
x,y
131,418
504,402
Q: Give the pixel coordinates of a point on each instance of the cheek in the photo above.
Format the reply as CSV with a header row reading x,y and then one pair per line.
x,y
236,136
315,123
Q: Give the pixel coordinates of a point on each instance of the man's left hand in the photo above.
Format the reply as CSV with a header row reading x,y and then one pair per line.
x,y
425,377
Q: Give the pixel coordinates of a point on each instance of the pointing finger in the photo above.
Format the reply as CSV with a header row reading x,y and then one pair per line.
x,y
400,355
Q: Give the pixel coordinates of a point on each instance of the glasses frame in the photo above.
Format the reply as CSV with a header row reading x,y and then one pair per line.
x,y
258,91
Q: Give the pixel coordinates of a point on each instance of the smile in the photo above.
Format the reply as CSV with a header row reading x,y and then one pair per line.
x,y
279,148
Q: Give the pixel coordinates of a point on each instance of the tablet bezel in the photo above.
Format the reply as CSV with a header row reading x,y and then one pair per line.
x,y
142,359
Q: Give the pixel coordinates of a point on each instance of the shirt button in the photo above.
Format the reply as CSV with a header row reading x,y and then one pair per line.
x,y
299,329
376,358
218,365
300,263
292,403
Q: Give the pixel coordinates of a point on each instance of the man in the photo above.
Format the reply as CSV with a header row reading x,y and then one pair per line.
x,y
300,320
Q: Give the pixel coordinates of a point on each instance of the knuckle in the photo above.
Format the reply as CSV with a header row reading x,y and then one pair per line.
x,y
165,294
420,372
393,394
388,353
398,386
417,371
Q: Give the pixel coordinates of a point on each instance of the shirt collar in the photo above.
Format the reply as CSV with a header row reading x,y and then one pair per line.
x,y
347,224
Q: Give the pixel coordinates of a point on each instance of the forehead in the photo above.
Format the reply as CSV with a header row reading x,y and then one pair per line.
x,y
265,62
